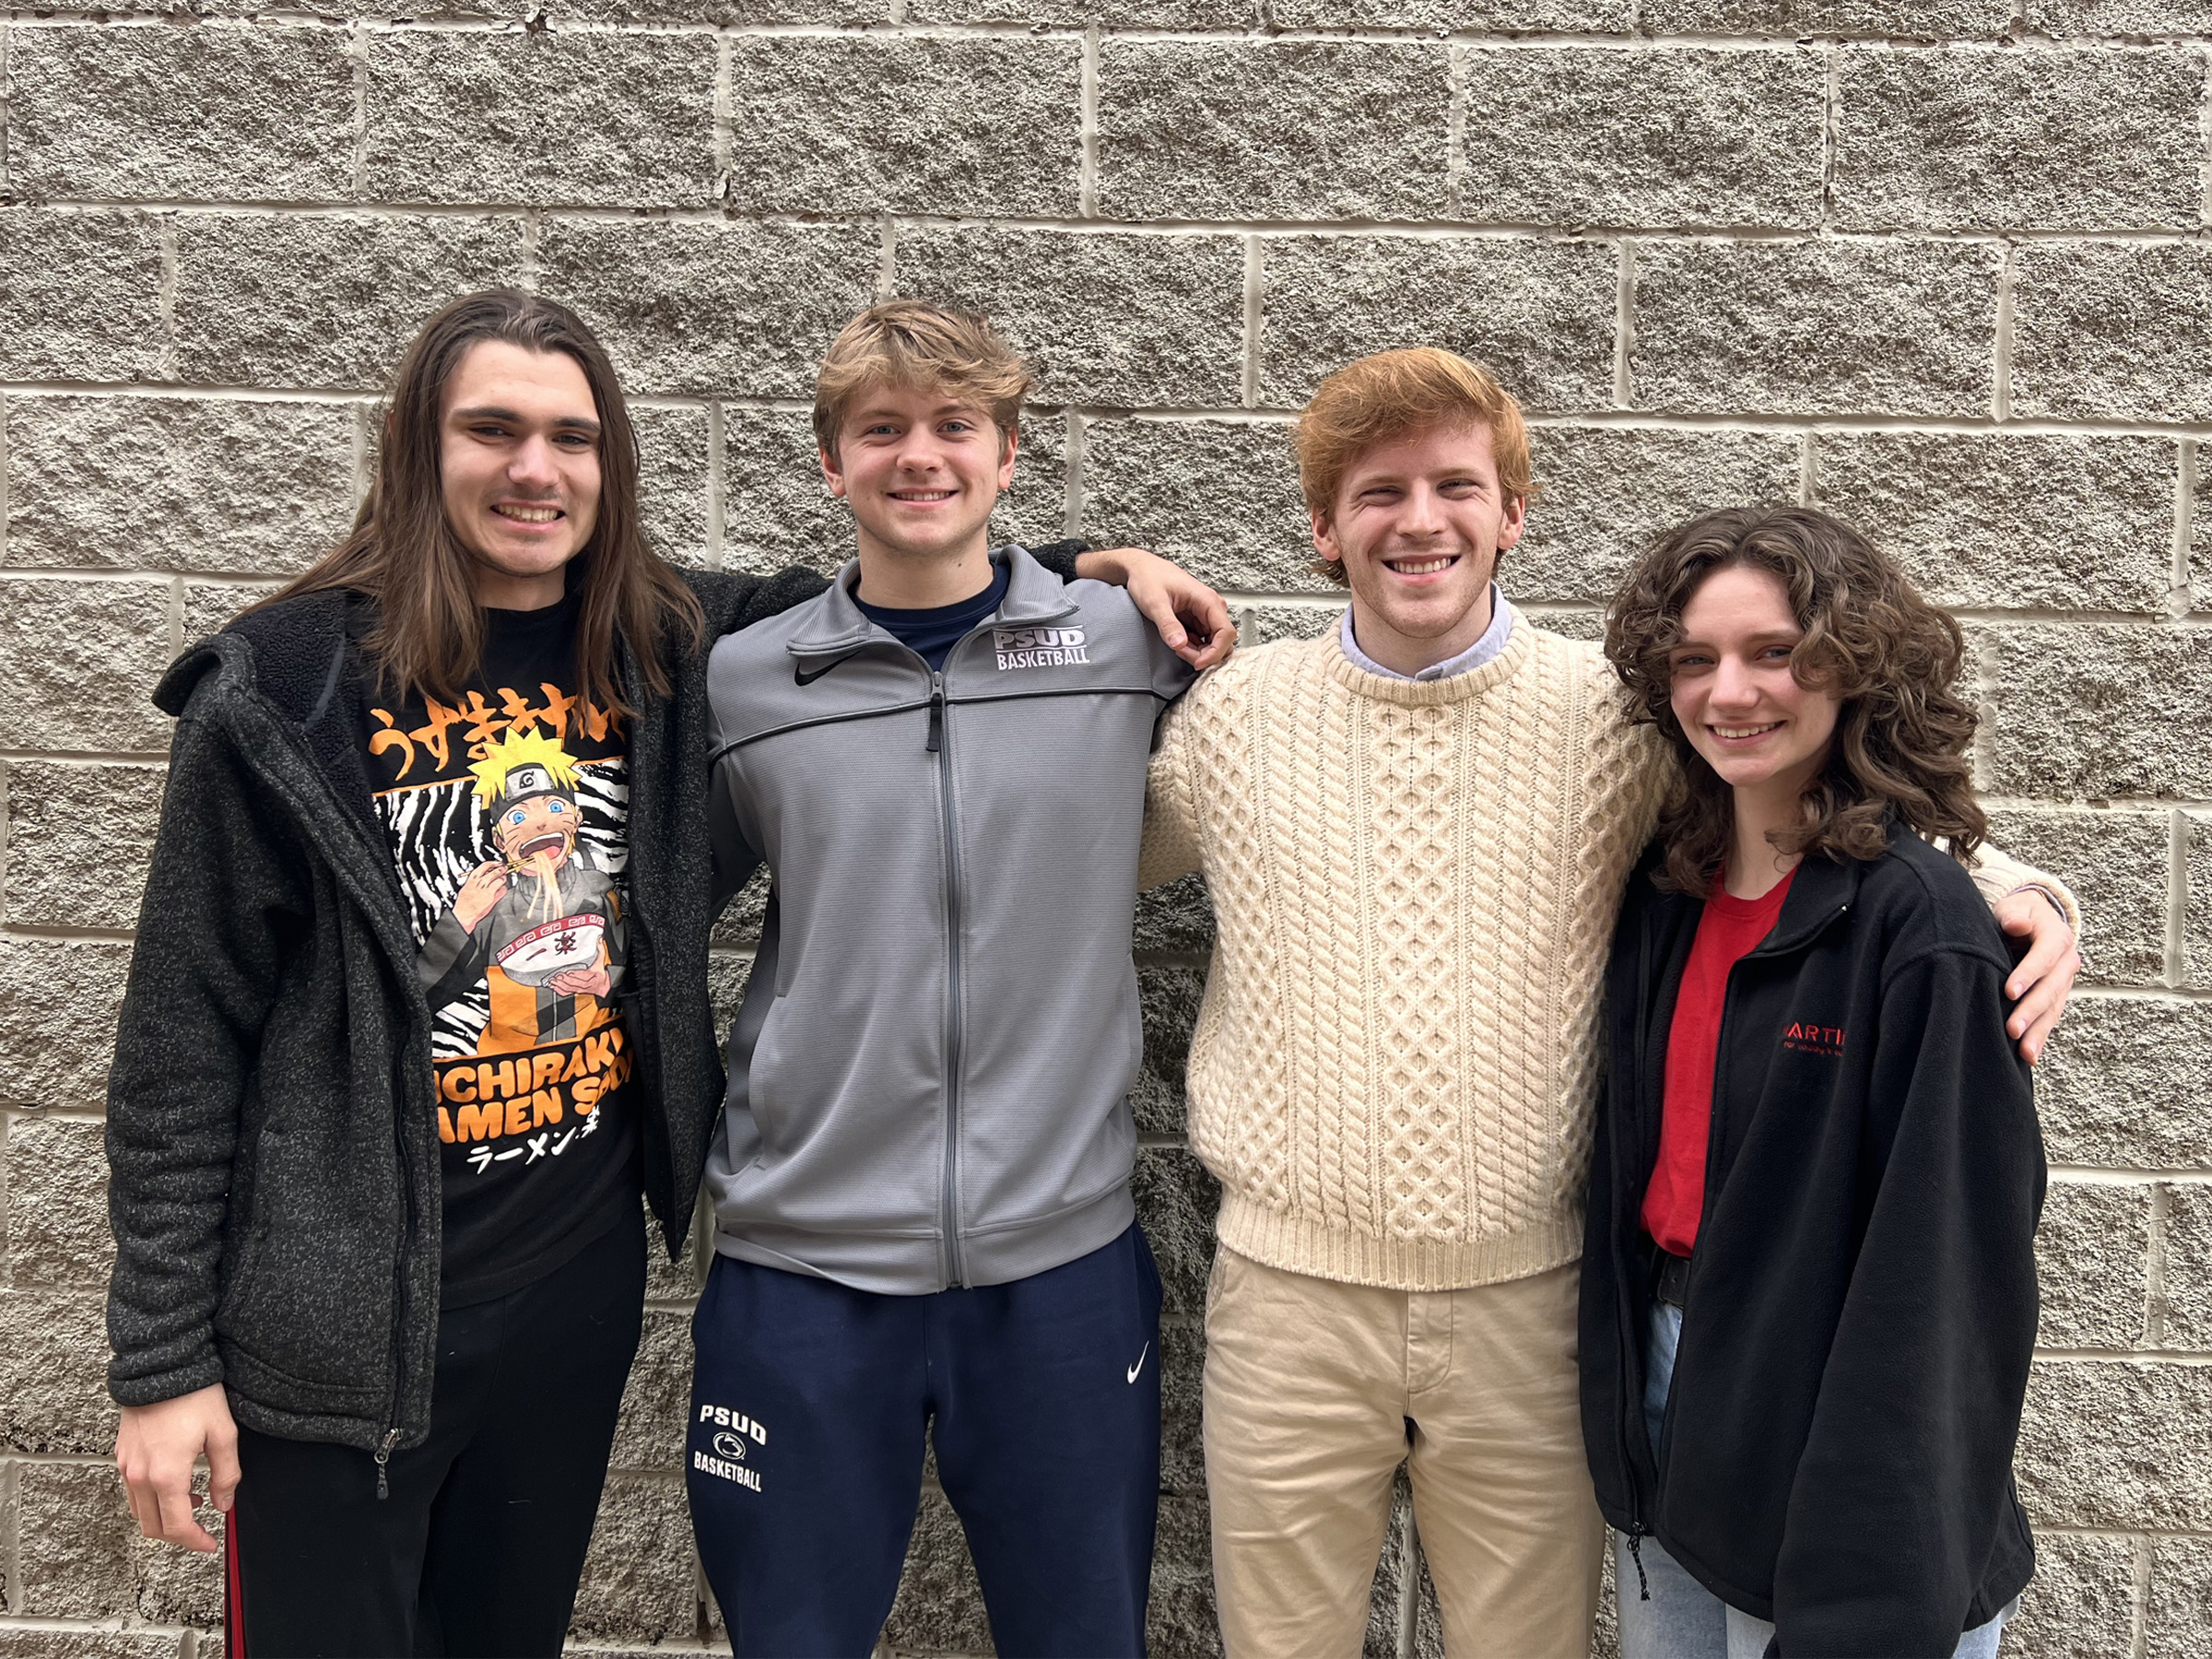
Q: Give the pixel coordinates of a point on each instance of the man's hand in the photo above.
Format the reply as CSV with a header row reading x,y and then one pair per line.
x,y
1192,618
155,1449
2041,983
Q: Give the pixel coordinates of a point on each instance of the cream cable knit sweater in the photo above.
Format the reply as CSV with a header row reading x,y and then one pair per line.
x,y
1415,883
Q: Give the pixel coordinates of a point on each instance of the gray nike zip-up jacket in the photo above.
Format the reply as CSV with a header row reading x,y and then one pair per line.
x,y
928,1075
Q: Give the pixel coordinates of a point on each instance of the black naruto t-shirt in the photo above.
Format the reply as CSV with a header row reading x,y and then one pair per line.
x,y
507,814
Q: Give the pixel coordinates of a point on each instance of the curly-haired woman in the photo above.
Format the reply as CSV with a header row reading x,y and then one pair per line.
x,y
1808,1281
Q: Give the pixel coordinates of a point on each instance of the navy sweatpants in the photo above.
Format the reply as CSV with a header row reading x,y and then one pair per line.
x,y
808,1408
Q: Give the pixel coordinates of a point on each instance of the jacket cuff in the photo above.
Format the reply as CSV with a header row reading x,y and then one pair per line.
x,y
158,1386
1059,556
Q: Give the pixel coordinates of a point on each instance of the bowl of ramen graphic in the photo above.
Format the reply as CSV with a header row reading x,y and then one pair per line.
x,y
533,958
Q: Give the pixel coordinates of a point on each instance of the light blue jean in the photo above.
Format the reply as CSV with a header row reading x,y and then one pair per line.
x,y
1683,1619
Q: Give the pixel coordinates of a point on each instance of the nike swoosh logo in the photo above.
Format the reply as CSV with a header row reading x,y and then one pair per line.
x,y
799,677
1140,1362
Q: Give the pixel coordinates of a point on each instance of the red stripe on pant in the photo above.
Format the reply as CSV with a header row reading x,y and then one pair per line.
x,y
234,1616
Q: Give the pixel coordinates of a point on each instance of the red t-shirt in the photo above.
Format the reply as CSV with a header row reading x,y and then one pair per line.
x,y
1728,931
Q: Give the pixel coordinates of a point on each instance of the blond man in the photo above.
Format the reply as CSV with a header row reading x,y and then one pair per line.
x,y
1416,832
921,1181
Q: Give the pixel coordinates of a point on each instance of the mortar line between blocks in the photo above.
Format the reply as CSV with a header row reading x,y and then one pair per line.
x,y
7,778
4,497
2204,157
1455,132
357,48
1831,122
1809,471
1071,510
725,116
2139,1611
6,83
1409,1587
1086,141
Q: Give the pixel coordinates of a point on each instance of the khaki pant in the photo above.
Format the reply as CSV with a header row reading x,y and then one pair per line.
x,y
1315,1390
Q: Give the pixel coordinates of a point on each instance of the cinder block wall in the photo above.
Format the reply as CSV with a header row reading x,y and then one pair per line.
x,y
1940,268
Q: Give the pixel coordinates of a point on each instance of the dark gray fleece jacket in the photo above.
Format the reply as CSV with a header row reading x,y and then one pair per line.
x,y
274,1154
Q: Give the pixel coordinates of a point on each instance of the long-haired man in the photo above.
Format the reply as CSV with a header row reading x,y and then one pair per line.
x,y
418,1004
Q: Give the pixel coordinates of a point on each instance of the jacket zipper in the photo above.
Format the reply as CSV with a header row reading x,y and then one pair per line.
x,y
938,745
399,1275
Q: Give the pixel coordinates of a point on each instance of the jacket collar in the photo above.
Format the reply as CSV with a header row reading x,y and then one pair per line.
x,y
1033,594
1823,890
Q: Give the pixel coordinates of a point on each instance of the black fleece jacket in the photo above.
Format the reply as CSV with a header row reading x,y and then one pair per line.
x,y
1837,1455
272,1137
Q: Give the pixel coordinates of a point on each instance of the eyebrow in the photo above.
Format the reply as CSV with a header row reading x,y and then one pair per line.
x,y
493,412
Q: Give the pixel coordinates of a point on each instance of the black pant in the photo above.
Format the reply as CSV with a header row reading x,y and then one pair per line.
x,y
477,1549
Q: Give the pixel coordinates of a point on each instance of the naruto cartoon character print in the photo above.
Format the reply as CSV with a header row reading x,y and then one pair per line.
x,y
507,816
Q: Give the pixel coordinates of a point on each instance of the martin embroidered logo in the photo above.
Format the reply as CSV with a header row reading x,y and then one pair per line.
x,y
1808,1039
1039,647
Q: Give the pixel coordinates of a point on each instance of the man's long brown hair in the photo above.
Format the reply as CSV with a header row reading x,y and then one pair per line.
x,y
428,635
1902,734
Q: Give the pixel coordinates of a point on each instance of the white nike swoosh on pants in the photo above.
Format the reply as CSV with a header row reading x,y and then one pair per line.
x,y
1140,1362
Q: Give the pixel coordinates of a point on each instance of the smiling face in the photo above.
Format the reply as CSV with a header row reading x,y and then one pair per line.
x,y
535,826
519,465
922,471
1419,523
1732,688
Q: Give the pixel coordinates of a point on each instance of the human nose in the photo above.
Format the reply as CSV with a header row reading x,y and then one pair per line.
x,y
1419,515
533,465
1733,685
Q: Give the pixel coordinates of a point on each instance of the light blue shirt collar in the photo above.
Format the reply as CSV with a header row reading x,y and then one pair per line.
x,y
1492,642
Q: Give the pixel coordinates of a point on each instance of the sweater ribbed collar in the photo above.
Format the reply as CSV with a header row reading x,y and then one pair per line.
x,y
1520,648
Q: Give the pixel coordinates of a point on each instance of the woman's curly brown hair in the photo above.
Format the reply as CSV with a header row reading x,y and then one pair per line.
x,y
1902,734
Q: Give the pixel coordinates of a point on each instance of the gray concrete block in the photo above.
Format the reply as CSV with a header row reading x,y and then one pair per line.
x,y
79,661
1034,511
675,479
225,485
726,977
656,1403
1121,320
2116,1444
2117,330
940,1607
1795,19
2188,1267
1177,917
182,114
75,1534
57,1204
2090,17
79,837
1539,313
526,118
2091,712
2196,914
738,927
1220,497
1684,136
2092,1252
727,307
1815,327
2122,1083
304,301
913,125
1264,624
1588,625
1182,1400
2081,1600
638,1582
2063,522
1273,130
1607,491
1982,138
2179,1617
82,293
1176,1201
2115,863
1180,1619
211,606
54,1355
1169,1000
31,1642
58,1039
776,510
